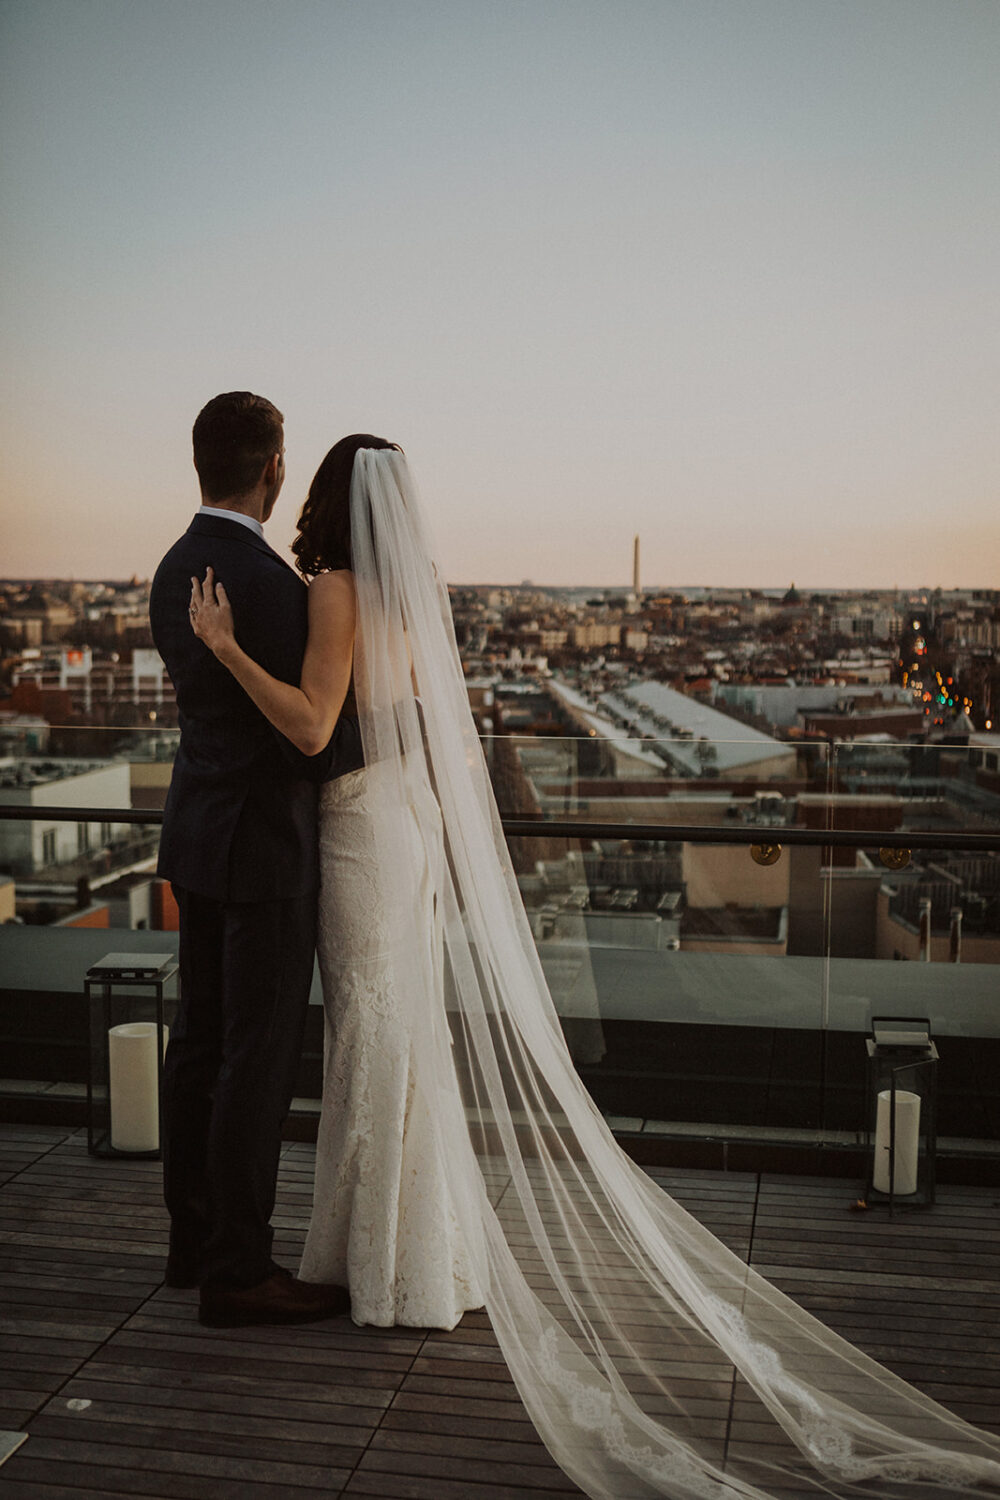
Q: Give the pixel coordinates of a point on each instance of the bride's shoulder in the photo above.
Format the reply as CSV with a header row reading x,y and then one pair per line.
x,y
337,581
332,591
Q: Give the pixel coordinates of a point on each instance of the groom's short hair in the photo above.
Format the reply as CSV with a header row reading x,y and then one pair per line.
x,y
233,437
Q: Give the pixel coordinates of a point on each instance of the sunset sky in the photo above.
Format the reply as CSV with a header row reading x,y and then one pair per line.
x,y
720,272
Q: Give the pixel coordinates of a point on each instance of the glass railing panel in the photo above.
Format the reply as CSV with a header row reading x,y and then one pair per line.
x,y
87,765
951,784
59,741
916,932
756,982
746,941
671,966
619,777
61,865
669,781
73,891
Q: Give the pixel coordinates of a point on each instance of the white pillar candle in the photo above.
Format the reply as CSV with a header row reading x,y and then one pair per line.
x,y
133,1087
907,1142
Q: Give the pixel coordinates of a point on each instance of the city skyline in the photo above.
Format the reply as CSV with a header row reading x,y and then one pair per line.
x,y
720,274
622,587
86,649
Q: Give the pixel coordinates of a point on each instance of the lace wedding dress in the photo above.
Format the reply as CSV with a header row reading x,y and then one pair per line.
x,y
384,1223
461,1161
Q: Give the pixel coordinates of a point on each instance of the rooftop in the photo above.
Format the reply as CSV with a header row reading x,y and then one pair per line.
x,y
22,774
122,1392
679,731
734,922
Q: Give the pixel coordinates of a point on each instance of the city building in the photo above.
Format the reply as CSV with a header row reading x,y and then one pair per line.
x,y
27,848
98,685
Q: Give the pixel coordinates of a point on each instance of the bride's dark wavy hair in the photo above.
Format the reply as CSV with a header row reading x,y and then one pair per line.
x,y
324,538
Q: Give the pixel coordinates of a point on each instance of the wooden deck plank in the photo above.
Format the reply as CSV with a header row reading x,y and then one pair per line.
x,y
14,1415
35,1329
282,1356
175,1317
186,1463
14,1361
104,1415
347,1423
207,1441
26,1490
425,1432
181,1374
69,1476
450,1466
12,1344
386,1485
341,1383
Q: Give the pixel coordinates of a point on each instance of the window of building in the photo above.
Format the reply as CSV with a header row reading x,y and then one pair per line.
x,y
82,837
49,847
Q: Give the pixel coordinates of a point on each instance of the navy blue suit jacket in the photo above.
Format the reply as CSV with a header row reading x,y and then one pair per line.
x,y
240,821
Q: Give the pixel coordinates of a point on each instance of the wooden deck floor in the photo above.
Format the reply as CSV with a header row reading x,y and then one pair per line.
x,y
123,1393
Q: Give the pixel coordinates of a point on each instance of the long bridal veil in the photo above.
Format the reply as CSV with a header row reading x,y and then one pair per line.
x,y
652,1360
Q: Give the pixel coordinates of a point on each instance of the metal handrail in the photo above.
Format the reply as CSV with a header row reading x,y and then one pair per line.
x,y
34,814
758,833
667,833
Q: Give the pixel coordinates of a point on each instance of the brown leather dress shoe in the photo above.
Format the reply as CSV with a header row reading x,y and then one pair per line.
x,y
184,1274
279,1298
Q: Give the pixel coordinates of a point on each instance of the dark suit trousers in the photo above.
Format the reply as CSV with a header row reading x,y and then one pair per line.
x,y
229,1074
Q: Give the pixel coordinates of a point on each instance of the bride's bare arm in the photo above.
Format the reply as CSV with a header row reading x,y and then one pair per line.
x,y
306,714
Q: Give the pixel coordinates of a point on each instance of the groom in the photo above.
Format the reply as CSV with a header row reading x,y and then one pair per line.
x,y
239,846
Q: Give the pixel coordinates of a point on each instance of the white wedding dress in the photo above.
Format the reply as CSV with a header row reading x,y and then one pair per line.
x,y
385,1223
461,1161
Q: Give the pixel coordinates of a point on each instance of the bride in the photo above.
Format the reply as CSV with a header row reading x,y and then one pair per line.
x,y
460,1161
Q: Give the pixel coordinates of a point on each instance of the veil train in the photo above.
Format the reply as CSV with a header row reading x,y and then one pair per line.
x,y
652,1360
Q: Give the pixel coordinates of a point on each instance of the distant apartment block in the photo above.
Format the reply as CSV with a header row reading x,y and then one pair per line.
x,y
861,621
96,685
790,705
27,848
596,634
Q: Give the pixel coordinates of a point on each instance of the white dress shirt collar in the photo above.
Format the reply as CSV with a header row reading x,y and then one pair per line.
x,y
233,515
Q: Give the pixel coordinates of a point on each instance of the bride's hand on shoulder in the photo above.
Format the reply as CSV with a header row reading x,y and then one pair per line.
x,y
211,614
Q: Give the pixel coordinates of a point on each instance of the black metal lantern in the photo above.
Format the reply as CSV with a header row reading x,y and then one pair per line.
x,y
125,1001
901,1112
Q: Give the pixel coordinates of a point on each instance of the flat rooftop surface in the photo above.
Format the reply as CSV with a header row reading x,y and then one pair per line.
x,y
123,1393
